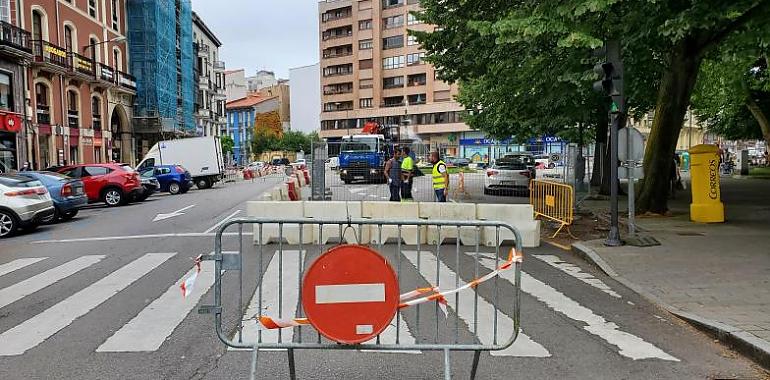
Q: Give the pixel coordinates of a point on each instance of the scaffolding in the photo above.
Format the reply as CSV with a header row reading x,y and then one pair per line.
x,y
160,47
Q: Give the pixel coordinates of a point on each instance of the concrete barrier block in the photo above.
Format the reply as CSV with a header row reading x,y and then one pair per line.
x,y
449,211
394,212
279,210
519,216
336,210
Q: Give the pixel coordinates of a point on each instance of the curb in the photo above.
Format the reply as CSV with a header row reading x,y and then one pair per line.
x,y
753,347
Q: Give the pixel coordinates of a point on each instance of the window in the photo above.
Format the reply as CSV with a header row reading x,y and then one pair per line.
x,y
73,121
338,70
417,99
393,22
365,64
415,59
6,91
417,80
411,40
95,52
365,24
365,83
365,44
115,7
5,10
68,40
393,62
338,106
412,19
92,8
393,101
96,113
392,3
393,82
117,60
365,103
92,171
37,25
392,42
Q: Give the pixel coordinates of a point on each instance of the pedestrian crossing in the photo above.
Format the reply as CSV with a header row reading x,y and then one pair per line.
x,y
278,295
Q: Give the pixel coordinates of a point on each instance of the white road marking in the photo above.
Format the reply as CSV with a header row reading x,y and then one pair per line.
x,y
37,329
33,284
575,271
221,222
270,295
150,328
18,264
173,214
136,237
630,346
523,346
388,336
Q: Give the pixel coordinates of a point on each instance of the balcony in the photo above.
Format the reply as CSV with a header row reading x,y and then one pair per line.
x,y
338,33
105,74
50,56
220,94
81,65
97,122
203,81
43,114
203,50
337,14
219,66
73,120
126,82
14,41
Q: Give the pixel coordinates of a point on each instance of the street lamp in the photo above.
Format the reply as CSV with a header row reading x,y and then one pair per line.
x,y
94,45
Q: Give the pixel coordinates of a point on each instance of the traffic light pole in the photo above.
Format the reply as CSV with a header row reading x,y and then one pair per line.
x,y
613,239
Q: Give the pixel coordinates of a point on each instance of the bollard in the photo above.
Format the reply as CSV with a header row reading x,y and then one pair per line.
x,y
706,206
293,195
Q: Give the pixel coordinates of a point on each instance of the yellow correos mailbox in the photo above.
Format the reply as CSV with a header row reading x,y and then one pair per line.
x,y
706,206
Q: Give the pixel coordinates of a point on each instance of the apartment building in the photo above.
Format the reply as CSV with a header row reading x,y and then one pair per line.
x,y
15,52
372,70
81,96
210,74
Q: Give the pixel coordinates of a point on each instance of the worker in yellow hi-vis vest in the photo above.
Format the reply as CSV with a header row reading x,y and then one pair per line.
x,y
440,177
407,175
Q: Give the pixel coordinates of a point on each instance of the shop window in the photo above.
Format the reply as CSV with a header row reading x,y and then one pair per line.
x,y
6,91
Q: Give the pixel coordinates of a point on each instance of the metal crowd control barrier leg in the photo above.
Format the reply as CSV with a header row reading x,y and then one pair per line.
x,y
460,277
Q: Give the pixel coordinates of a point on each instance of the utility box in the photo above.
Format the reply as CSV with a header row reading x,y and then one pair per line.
x,y
706,206
743,162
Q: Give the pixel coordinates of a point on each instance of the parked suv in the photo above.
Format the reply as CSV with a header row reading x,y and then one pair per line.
x,y
113,184
24,203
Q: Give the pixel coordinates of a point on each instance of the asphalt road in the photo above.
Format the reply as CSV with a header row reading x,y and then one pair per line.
x,y
98,298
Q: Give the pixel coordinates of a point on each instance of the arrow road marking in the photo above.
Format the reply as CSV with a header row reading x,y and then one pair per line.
x,y
174,214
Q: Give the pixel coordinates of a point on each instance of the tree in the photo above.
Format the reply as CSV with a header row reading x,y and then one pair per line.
x,y
227,143
544,45
264,141
295,141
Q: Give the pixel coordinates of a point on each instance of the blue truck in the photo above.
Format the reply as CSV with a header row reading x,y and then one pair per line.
x,y
362,158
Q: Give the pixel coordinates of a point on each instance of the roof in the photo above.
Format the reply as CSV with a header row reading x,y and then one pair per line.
x,y
233,71
249,101
205,29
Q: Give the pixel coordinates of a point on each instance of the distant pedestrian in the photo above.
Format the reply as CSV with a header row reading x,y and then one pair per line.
x,y
393,174
440,178
767,159
675,177
407,175
25,167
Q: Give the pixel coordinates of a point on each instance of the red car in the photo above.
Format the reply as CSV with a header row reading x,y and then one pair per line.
x,y
113,184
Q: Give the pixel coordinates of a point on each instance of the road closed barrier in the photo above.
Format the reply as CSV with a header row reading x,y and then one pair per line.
x,y
553,201
352,297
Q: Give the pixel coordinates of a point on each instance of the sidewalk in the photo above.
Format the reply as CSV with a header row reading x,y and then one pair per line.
x,y
717,276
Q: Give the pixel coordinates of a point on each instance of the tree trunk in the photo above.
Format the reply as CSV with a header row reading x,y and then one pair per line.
x,y
761,117
602,123
673,98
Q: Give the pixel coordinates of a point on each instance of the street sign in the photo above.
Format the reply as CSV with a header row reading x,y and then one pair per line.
x,y
631,144
350,294
555,157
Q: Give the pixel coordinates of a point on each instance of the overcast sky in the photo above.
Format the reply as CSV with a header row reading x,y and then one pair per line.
x,y
263,34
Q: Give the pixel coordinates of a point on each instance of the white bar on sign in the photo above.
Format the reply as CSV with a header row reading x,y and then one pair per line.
x,y
351,293
364,329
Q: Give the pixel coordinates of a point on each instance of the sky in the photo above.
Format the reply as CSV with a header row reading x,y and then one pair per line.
x,y
274,35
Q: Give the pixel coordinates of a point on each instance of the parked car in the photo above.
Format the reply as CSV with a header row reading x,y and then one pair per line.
x,y
174,179
256,165
510,174
457,161
68,194
150,185
24,203
113,184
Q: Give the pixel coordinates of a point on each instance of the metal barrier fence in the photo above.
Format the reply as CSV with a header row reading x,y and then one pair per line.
x,y
553,201
456,324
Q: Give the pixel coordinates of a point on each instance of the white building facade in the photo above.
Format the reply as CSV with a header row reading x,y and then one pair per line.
x,y
211,96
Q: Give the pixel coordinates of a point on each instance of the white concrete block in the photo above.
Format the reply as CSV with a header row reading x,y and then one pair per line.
x,y
337,210
394,212
449,211
519,216
279,210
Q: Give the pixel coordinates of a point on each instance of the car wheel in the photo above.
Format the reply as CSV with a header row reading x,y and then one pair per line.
x,y
174,188
8,224
202,183
68,215
113,197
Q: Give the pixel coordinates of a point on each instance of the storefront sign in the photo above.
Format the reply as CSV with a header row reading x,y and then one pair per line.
x,y
55,51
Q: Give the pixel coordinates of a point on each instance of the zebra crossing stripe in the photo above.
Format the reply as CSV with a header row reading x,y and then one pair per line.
x,y
575,271
630,345
37,329
290,299
388,336
18,264
150,328
33,284
523,346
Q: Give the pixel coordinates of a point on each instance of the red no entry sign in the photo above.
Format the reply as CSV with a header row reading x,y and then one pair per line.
x,y
350,294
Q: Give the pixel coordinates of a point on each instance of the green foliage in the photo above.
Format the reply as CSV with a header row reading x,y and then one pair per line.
x,y
227,144
292,141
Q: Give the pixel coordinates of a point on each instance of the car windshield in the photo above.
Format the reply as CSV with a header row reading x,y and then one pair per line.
x,y
360,145
18,181
147,173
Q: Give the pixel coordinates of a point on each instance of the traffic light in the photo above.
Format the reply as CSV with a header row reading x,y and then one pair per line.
x,y
604,85
610,73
